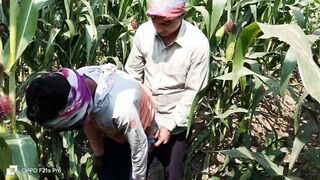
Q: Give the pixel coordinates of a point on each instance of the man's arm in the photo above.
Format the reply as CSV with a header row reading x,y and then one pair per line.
x,y
134,132
97,144
135,62
197,79
95,137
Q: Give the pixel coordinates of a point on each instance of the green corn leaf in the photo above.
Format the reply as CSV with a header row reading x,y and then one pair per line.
x,y
124,6
314,155
296,122
245,71
23,24
41,3
275,9
2,15
101,29
289,64
3,130
25,155
298,15
75,54
115,60
196,142
26,25
50,47
89,167
193,2
249,2
242,152
233,109
206,17
57,148
301,140
85,158
259,92
91,31
9,57
246,37
67,4
197,98
226,161
246,174
29,129
211,15
216,13
242,72
253,9
68,143
258,96
90,12
90,37
5,156
72,30
298,41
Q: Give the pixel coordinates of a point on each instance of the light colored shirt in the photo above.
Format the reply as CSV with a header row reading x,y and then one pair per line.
x,y
174,73
122,110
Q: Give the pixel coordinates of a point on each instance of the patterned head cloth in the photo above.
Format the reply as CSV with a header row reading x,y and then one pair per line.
x,y
79,101
167,9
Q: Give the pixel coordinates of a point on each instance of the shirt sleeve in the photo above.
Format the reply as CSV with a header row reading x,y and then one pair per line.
x,y
197,79
135,62
95,138
137,139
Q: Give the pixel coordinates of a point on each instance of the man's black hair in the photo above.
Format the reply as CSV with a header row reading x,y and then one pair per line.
x,y
46,96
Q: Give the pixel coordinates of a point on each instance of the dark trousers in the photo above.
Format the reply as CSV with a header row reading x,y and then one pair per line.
x,y
117,161
171,156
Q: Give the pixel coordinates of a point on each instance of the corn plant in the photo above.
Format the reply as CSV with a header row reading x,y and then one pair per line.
x,y
19,150
62,33
246,68
260,50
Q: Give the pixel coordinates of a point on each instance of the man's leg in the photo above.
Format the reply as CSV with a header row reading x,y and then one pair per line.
x,y
117,161
172,156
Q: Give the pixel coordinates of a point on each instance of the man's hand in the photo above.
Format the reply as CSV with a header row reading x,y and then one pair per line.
x,y
163,135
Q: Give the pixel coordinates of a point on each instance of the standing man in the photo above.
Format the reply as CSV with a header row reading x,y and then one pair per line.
x,y
171,57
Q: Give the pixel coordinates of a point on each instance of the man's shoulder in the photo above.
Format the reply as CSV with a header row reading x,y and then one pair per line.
x,y
195,35
146,29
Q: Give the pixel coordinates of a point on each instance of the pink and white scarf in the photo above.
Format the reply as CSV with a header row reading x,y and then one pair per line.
x,y
79,101
167,9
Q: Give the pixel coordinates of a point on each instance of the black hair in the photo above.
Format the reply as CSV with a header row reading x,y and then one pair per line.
x,y
46,96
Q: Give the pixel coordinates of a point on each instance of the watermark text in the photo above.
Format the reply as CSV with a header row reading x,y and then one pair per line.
x,y
14,168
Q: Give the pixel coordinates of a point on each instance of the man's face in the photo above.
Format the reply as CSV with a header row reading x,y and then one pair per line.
x,y
164,27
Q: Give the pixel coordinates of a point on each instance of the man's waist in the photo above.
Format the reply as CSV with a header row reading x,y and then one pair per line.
x,y
162,120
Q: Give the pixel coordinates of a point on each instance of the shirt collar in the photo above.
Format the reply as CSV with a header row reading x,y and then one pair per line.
x,y
180,37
